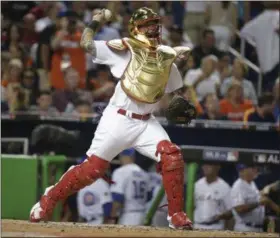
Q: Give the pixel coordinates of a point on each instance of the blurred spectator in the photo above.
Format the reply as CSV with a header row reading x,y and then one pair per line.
x,y
125,20
276,93
224,67
189,94
50,18
239,71
117,9
212,110
65,99
222,19
264,31
185,63
234,105
79,7
176,37
30,36
207,47
83,110
30,84
253,9
44,105
263,112
13,73
66,47
16,98
167,23
83,107
204,80
103,85
16,10
45,52
194,20
12,47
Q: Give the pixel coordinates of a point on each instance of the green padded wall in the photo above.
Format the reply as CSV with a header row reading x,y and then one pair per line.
x,y
19,183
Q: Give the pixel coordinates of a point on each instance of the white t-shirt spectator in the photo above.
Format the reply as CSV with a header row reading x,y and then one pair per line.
x,y
205,87
262,30
195,6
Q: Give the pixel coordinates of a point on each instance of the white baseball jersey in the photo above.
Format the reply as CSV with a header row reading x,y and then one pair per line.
x,y
91,200
118,61
210,200
243,192
133,183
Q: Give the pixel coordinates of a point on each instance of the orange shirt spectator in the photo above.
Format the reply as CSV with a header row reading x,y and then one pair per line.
x,y
235,112
70,52
234,105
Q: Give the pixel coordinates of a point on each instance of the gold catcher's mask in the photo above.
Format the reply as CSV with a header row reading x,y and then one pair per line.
x,y
145,26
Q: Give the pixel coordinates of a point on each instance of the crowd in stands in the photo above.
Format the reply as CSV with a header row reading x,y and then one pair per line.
x,y
45,71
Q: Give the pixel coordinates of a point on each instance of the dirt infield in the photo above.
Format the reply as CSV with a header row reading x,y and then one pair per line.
x,y
14,228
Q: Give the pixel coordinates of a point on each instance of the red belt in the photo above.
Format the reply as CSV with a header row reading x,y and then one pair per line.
x,y
134,115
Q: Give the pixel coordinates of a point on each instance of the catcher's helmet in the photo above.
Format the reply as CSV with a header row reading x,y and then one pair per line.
x,y
145,17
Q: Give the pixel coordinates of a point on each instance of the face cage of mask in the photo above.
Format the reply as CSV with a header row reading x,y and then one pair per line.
x,y
157,28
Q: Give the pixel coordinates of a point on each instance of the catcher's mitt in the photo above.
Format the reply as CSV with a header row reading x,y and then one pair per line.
x,y
180,111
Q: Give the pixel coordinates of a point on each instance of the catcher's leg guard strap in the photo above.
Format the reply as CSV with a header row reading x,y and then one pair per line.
x,y
172,169
77,177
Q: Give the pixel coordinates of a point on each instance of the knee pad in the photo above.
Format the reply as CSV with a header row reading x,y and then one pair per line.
x,y
171,156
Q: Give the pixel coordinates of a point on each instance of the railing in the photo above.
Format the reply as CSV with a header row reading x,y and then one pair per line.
x,y
25,142
246,61
95,117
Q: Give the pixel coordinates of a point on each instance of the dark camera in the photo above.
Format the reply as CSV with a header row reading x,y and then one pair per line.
x,y
50,138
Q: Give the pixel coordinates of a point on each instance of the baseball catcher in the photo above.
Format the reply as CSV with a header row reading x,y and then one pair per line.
x,y
147,72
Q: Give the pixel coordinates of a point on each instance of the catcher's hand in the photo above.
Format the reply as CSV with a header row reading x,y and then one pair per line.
x,y
180,111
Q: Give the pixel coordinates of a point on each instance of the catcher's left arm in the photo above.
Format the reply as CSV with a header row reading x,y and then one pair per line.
x,y
180,111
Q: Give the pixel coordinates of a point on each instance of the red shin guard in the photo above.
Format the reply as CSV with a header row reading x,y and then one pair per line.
x,y
172,169
73,180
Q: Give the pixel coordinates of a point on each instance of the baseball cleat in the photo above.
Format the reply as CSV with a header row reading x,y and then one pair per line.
x,y
180,221
42,209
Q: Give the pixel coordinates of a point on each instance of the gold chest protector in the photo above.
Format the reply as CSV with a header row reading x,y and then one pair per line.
x,y
147,73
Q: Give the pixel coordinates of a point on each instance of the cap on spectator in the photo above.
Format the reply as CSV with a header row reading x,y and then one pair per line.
x,y
240,167
16,63
128,152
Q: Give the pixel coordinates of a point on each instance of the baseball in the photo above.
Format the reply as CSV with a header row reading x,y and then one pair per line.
x,y
107,14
